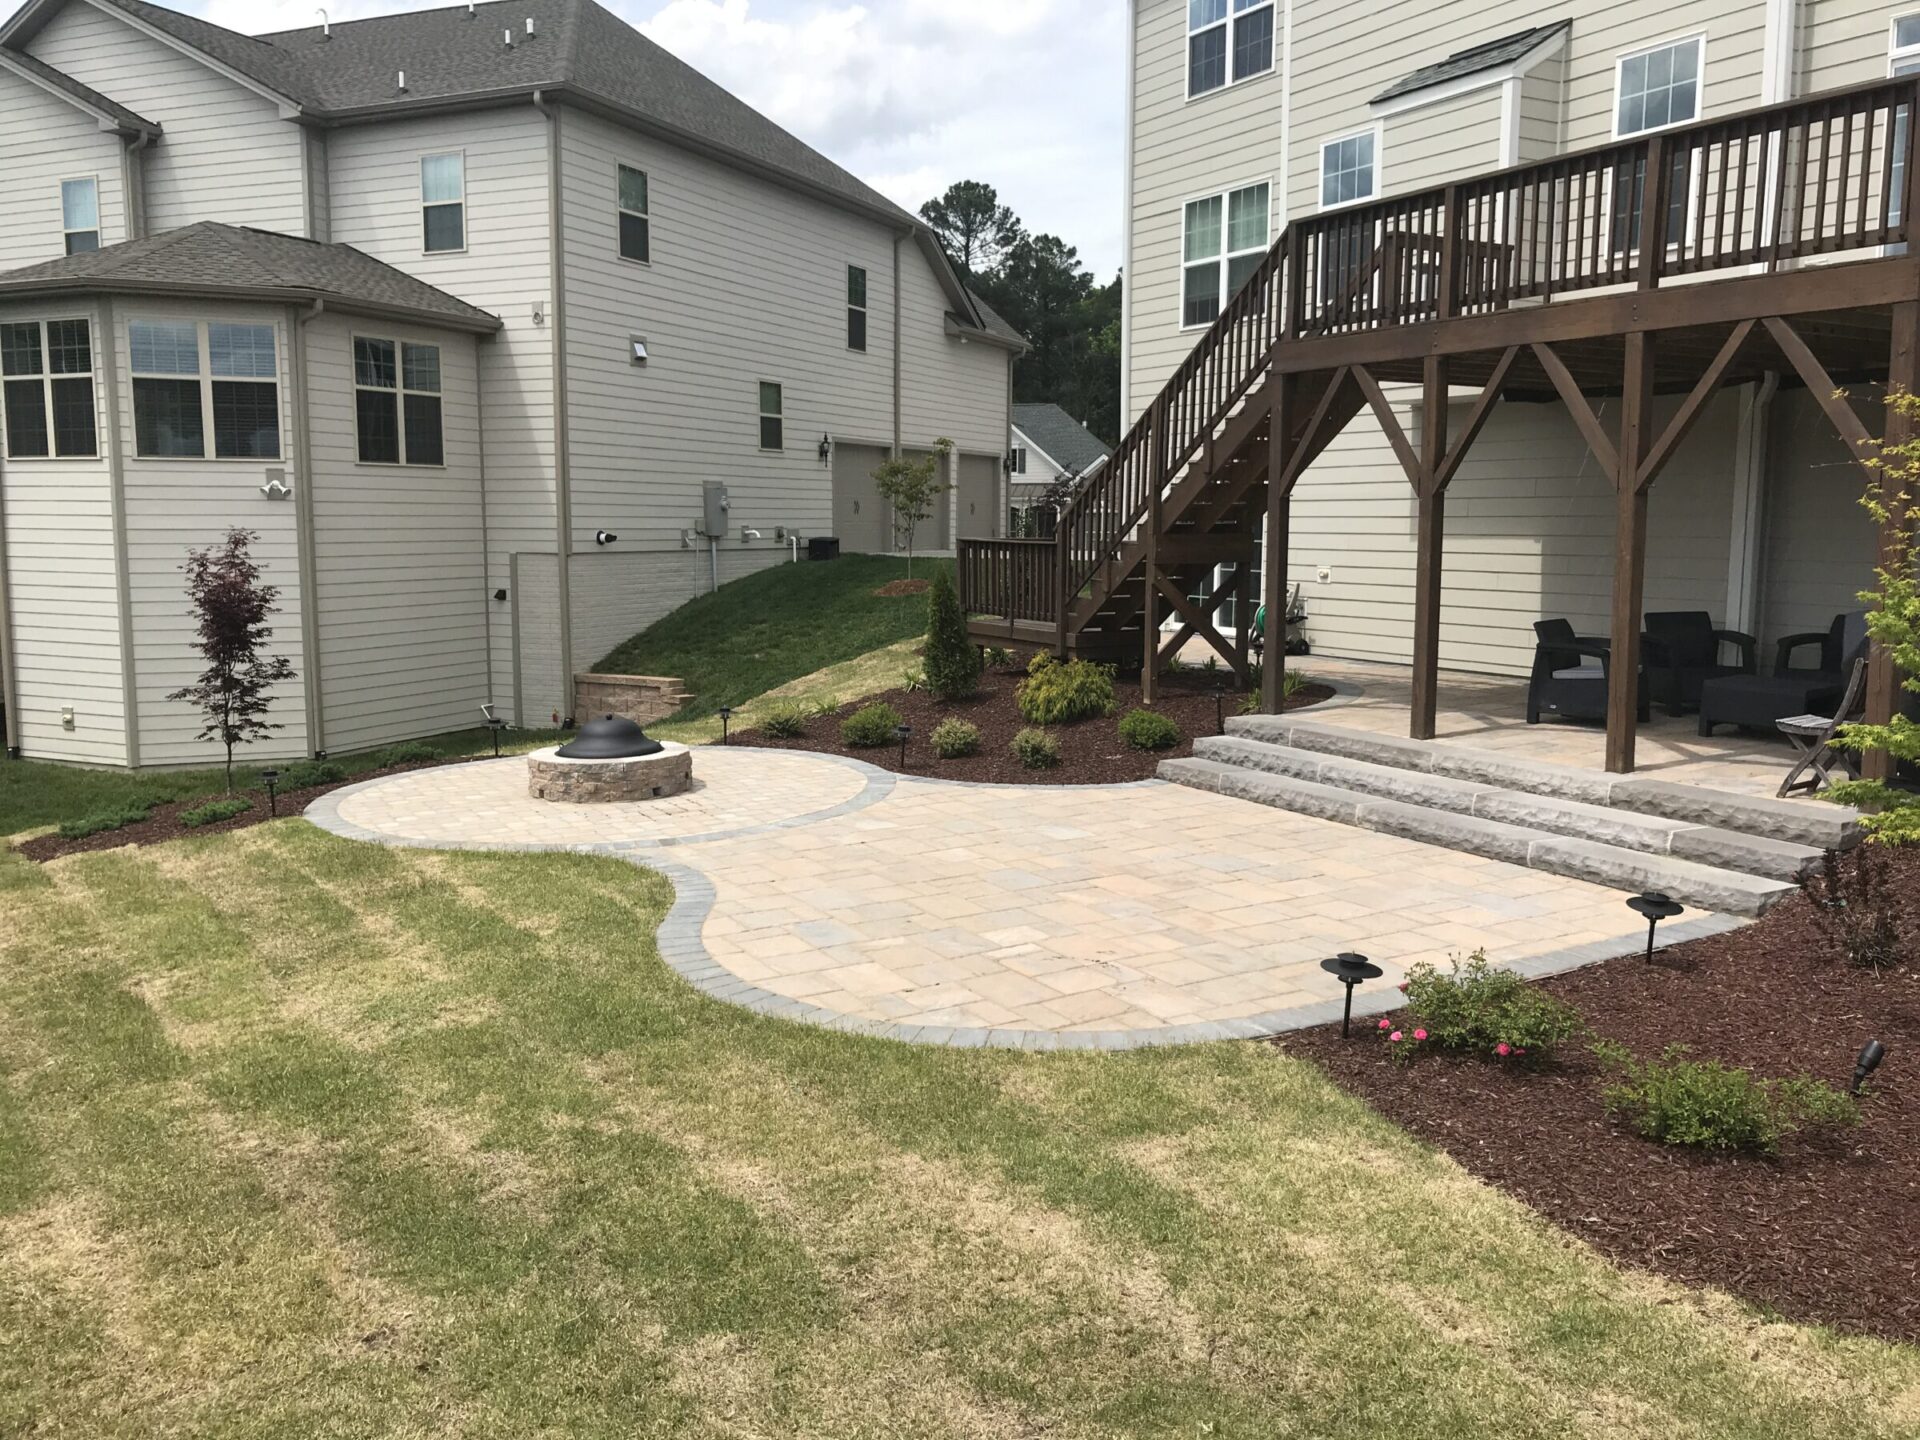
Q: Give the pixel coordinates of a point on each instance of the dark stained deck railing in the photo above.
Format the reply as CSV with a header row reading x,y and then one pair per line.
x,y
1829,175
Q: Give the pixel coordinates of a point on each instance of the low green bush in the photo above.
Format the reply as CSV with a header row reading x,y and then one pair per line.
x,y
1057,694
998,657
1146,730
1480,1009
954,738
411,753
305,774
100,822
214,811
912,680
870,727
785,720
1706,1105
1036,750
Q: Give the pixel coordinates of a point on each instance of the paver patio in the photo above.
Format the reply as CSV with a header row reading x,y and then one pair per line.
x,y
834,892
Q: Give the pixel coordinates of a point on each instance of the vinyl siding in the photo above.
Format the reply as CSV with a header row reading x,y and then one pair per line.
x,y
1542,101
46,140
951,387
399,555
1845,42
65,600
1820,544
227,154
1429,146
374,186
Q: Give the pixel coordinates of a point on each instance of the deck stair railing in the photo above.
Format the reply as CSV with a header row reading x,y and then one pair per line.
x,y
1833,175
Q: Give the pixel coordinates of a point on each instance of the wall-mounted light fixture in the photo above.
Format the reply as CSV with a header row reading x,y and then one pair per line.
x,y
500,595
826,450
604,537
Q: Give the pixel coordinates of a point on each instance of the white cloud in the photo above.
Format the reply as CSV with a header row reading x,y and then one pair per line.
x,y
911,95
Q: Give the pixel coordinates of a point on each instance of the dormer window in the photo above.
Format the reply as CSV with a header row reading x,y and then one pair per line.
x,y
80,214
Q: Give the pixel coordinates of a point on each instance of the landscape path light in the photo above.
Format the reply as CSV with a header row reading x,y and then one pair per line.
x,y
1871,1054
726,719
1351,971
903,733
271,778
1655,906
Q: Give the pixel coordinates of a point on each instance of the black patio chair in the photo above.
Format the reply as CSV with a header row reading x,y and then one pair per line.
x,y
1760,702
1683,649
1564,682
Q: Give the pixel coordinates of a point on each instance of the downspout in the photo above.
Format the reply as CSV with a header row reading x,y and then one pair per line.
x,y
8,701
303,525
486,528
117,500
1780,52
898,241
133,184
1126,234
562,443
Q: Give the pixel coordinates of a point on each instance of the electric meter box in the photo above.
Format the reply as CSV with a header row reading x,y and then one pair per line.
x,y
714,493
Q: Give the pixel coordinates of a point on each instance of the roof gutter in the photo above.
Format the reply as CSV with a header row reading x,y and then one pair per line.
x,y
562,440
269,294
133,183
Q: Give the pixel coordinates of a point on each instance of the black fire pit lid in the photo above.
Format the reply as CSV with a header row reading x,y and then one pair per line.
x,y
612,737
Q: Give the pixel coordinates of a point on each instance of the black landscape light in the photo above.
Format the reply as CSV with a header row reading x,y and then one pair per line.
x,y
726,719
1871,1054
1351,971
271,778
1655,906
496,725
903,733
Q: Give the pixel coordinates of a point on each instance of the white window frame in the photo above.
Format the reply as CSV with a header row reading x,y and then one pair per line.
x,y
1377,132
1230,24
1227,254
46,377
1899,55
400,390
66,234
621,209
780,414
205,379
466,231
1019,458
1698,39
865,310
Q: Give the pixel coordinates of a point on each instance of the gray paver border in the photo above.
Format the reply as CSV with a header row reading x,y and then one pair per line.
x,y
684,950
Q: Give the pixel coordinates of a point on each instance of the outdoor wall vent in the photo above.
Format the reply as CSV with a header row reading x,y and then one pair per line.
x,y
529,27
639,343
509,38
400,82
326,25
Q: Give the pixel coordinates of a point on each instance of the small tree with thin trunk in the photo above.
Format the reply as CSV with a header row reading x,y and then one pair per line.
x,y
232,606
912,487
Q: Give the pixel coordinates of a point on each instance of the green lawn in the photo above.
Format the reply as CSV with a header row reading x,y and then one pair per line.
x,y
758,633
306,1138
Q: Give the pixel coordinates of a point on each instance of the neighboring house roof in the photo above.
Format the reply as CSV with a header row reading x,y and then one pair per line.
x,y
1473,60
228,261
68,88
1060,437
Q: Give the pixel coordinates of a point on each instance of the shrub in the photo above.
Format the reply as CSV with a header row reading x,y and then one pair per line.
x,y
1853,906
954,738
1146,730
305,774
1056,694
100,822
1710,1106
1483,1010
784,720
410,753
953,664
999,658
1036,750
912,680
870,727
1292,682
214,811
822,708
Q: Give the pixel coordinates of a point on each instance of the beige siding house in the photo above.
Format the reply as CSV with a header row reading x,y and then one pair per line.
x,y
1241,123
459,310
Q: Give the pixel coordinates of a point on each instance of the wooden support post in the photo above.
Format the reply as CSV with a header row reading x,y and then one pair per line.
x,y
1432,499
1280,444
1883,677
1150,567
1630,553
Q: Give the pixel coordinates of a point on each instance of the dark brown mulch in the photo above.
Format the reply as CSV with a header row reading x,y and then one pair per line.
x,y
894,589
1824,1233
1091,751
163,821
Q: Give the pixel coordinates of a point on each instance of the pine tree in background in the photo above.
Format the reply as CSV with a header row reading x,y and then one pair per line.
x,y
232,606
953,664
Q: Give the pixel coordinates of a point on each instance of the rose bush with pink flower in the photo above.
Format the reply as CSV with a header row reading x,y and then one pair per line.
x,y
1479,1009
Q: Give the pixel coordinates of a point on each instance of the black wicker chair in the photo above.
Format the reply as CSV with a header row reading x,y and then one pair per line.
x,y
1759,702
1683,650
1565,683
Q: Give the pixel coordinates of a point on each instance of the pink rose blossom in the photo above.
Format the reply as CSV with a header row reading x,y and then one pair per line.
x,y
1394,1037
1403,987
1503,1049
1386,1024
1419,1034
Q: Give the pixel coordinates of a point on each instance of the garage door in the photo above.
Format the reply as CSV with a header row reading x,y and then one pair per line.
x,y
979,497
859,514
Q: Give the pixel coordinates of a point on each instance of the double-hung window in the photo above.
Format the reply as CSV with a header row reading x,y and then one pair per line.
x,y
636,233
1227,41
1224,239
443,202
396,402
48,388
772,426
1903,58
1654,90
195,379
1349,170
856,308
80,214
1018,460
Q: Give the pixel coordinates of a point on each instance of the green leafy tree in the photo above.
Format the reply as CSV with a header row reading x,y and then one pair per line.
x,y
953,664
1893,618
975,229
912,486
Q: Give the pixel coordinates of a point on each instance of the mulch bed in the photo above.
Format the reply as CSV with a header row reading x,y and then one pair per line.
x,y
894,589
1826,1232
1091,751
163,821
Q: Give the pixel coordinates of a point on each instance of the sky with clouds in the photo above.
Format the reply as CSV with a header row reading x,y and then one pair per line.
x,y
910,95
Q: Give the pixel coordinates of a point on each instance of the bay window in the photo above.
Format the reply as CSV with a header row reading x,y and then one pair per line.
x,y
396,402
195,379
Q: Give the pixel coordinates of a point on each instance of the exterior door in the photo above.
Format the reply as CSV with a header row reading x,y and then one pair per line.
x,y
860,516
979,497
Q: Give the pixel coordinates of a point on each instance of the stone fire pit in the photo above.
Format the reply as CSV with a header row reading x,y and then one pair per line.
x,y
612,761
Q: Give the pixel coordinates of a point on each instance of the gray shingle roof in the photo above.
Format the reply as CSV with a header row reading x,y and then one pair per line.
x,y
1064,438
85,94
993,324
1472,60
211,259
